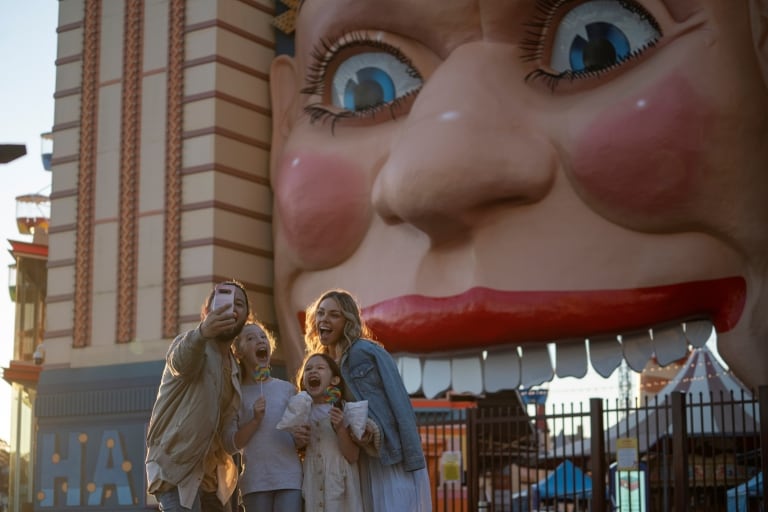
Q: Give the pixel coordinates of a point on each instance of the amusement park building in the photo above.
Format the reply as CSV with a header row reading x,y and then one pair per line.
x,y
160,188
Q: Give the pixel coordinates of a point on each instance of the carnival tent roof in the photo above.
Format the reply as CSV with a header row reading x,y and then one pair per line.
x,y
721,404
710,389
566,481
737,497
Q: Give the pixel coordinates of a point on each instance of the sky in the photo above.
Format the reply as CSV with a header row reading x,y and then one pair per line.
x,y
27,84
28,55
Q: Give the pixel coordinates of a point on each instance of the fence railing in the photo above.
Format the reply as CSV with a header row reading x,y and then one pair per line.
x,y
685,453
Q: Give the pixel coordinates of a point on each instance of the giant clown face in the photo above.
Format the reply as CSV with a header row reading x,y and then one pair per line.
x,y
489,176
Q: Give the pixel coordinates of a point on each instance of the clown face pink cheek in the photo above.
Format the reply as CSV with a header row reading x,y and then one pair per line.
x,y
323,202
641,161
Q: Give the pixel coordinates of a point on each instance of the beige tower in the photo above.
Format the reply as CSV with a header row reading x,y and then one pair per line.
x,y
160,189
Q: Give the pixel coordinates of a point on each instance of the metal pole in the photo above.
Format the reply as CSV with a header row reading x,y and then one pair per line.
x,y
473,473
597,455
679,451
762,397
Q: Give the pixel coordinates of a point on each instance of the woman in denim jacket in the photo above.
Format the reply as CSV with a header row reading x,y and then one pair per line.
x,y
394,477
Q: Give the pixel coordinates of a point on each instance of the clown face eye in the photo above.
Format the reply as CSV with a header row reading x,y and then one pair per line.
x,y
358,76
371,79
589,39
599,35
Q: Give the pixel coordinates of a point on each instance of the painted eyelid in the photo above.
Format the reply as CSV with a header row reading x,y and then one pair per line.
x,y
324,53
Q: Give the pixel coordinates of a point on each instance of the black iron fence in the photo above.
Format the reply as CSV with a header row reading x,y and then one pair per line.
x,y
685,453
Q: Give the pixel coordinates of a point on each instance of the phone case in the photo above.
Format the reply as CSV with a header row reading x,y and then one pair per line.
x,y
225,294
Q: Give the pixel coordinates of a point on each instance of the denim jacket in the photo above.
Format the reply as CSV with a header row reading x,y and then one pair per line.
x,y
370,374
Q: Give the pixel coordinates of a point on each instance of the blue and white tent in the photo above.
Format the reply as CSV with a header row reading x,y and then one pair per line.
x,y
705,383
738,496
567,481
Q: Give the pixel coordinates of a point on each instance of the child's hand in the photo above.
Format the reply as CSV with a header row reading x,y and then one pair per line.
x,y
337,418
367,437
259,406
300,436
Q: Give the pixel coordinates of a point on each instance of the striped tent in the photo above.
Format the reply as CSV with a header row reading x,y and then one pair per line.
x,y
718,404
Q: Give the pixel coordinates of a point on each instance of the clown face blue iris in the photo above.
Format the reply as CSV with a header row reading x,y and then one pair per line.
x,y
370,79
599,35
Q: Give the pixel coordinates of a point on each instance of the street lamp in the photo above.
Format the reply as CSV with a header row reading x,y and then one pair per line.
x,y
10,152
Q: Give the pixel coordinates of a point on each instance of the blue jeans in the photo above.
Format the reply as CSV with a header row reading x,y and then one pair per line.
x,y
169,502
204,502
284,500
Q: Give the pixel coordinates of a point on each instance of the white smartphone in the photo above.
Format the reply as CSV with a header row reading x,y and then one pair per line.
x,y
225,294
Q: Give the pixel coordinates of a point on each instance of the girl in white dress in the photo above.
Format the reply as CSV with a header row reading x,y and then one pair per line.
x,y
331,477
394,476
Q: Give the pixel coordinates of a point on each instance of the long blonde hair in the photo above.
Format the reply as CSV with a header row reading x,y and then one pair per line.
x,y
354,328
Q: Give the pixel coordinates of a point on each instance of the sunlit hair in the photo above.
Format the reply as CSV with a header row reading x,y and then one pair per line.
x,y
207,304
354,328
237,345
335,371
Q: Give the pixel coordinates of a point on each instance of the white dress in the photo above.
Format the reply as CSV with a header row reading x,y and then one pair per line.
x,y
393,488
331,483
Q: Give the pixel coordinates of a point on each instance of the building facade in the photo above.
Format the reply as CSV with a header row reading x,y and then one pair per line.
x,y
159,189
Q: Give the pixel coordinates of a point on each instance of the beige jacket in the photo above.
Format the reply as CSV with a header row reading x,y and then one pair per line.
x,y
186,416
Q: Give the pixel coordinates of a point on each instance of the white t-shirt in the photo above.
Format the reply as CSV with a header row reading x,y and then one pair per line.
x,y
270,457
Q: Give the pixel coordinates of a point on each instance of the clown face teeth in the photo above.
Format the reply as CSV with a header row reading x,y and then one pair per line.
x,y
537,366
605,354
669,344
637,350
526,366
571,359
501,369
467,374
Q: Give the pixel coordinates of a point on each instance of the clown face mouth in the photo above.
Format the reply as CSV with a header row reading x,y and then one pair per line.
x,y
515,366
487,340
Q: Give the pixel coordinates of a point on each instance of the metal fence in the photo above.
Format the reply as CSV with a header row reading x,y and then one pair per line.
x,y
685,453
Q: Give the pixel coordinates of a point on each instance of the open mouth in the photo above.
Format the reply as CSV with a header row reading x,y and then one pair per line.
x,y
262,353
512,366
477,341
313,382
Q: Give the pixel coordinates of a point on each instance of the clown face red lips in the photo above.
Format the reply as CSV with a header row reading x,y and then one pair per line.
x,y
493,318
